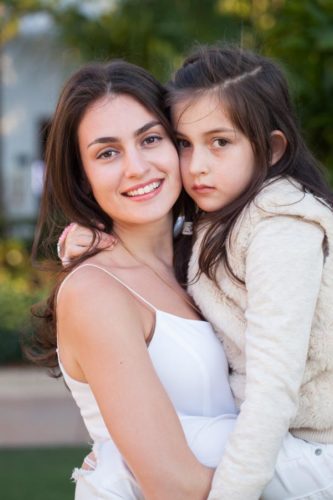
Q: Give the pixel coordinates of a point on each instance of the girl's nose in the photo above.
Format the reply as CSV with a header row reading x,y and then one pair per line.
x,y
198,162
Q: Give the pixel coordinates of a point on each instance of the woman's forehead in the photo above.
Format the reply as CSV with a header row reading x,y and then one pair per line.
x,y
114,115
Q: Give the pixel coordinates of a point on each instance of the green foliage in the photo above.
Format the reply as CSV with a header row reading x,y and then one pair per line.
x,y
157,33
12,10
302,38
151,33
39,474
20,288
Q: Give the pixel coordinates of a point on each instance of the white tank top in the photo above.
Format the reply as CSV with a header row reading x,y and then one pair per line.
x,y
189,361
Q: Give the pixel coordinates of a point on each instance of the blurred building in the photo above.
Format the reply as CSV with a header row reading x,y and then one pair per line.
x,y
33,68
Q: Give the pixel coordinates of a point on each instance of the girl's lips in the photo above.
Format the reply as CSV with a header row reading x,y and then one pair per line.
x,y
202,188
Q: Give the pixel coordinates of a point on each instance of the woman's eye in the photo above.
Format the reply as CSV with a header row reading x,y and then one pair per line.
x,y
220,143
183,143
152,139
107,153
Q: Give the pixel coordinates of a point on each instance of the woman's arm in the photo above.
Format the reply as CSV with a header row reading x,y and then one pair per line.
x,y
283,273
100,325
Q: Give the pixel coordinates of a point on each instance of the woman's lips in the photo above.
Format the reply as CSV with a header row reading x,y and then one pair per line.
x,y
145,190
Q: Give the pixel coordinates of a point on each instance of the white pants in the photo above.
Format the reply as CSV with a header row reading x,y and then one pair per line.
x,y
304,471
111,479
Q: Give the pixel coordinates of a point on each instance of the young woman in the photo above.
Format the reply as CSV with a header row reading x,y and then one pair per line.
x,y
261,270
149,376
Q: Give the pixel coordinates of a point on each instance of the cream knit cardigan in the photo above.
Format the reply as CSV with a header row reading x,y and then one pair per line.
x,y
277,331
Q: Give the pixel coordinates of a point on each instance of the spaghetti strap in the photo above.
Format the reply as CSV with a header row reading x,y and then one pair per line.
x,y
133,292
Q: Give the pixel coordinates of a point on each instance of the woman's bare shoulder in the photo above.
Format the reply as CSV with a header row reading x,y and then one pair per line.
x,y
93,286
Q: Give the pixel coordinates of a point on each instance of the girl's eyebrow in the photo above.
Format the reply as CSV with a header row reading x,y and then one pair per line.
x,y
139,131
219,130
222,130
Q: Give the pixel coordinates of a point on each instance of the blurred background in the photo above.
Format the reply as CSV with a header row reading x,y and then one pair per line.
x,y
42,43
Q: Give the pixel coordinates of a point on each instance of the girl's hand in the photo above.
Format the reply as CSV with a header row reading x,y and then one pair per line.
x,y
89,462
76,239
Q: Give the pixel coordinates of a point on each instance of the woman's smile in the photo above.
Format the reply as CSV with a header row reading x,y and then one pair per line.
x,y
129,163
144,191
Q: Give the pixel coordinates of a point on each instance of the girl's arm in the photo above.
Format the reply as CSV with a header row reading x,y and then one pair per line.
x,y
76,239
283,273
101,328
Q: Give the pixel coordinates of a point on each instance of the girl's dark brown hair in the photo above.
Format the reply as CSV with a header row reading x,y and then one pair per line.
x,y
255,93
67,196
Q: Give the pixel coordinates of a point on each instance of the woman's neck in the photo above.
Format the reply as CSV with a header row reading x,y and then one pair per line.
x,y
148,242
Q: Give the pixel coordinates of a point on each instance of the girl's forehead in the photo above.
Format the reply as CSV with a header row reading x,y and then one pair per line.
x,y
205,109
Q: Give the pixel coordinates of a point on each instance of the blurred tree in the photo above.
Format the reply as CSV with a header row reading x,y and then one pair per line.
x,y
12,10
156,33
151,33
300,35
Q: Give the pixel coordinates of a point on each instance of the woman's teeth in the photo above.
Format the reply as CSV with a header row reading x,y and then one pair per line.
x,y
144,190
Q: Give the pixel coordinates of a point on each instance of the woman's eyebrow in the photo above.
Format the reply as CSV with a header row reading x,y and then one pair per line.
x,y
146,127
139,131
103,140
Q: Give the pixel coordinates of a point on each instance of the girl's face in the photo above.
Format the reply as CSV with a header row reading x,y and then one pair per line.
x,y
216,159
131,164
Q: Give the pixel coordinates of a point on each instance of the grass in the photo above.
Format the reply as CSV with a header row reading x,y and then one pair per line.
x,y
38,474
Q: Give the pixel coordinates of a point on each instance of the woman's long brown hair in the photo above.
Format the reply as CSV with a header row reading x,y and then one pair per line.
x,y
67,196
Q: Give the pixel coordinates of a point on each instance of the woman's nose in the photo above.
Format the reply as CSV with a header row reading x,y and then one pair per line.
x,y
136,164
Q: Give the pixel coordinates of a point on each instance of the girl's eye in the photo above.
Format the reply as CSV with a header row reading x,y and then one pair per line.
x,y
107,153
220,143
152,139
183,143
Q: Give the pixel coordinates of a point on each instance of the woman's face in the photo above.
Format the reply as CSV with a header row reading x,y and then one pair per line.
x,y
217,161
131,164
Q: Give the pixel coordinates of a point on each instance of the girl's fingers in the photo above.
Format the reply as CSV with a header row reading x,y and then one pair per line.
x,y
75,251
90,462
76,239
62,239
73,241
71,227
106,240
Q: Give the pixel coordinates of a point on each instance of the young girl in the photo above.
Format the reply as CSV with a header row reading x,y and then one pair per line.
x,y
261,270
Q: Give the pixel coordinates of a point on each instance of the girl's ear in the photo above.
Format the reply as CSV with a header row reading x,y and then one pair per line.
x,y
278,146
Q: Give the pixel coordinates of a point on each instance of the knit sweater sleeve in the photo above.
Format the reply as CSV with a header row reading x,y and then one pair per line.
x,y
283,272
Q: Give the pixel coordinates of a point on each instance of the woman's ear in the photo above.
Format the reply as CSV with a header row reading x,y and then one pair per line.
x,y
278,146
